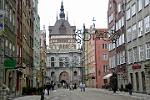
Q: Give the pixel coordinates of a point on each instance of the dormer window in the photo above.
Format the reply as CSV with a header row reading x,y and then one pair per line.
x,y
110,5
119,7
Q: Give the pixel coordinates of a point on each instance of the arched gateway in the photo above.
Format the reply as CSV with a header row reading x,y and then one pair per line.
x,y
64,79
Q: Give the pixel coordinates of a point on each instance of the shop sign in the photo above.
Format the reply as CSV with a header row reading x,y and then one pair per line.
x,y
136,66
10,63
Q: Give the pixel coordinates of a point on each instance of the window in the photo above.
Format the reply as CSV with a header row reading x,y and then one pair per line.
x,y
13,19
141,52
67,61
104,46
112,62
105,68
146,2
140,28
52,62
128,14
6,43
10,45
105,57
147,24
129,35
134,33
122,57
61,63
118,59
10,15
99,73
130,57
122,21
119,7
110,18
133,10
6,8
13,48
148,50
135,54
140,5
120,41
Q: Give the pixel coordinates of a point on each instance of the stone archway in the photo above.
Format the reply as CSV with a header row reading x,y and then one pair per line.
x,y
64,78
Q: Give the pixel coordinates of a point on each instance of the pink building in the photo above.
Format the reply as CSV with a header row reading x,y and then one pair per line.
x,y
98,58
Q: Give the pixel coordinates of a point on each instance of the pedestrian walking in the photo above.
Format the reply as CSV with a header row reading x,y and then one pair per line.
x,y
113,82
48,87
75,86
81,87
129,86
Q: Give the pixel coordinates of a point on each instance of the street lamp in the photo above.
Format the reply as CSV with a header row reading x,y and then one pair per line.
x,y
81,37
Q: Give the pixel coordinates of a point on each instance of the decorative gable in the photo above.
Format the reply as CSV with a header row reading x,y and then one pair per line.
x,y
62,29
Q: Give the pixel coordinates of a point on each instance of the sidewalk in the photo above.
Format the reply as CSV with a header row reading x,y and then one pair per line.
x,y
138,96
31,97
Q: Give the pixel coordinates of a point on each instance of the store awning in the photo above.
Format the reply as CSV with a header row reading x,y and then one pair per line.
x,y
107,76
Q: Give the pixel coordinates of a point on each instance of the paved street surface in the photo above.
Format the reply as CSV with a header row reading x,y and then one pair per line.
x,y
89,94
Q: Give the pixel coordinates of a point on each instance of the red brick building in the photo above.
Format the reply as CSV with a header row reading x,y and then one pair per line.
x,y
98,59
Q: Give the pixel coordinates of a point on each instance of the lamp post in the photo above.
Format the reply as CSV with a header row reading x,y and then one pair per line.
x,y
42,91
81,37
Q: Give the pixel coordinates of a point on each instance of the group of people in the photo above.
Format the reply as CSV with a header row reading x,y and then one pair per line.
x,y
82,87
128,87
73,86
49,87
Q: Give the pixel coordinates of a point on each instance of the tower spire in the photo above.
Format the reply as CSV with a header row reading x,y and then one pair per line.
x,y
62,14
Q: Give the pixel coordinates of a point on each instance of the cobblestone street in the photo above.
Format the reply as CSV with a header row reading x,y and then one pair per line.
x,y
89,94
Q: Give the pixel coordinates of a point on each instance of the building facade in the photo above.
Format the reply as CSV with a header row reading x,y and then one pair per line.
x,y
97,59
117,47
138,44
42,71
19,70
63,57
7,43
27,42
36,41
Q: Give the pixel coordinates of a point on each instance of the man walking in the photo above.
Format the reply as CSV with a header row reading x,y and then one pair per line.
x,y
130,88
81,86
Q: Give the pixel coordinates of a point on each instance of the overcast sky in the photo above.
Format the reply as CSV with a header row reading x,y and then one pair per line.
x,y
79,12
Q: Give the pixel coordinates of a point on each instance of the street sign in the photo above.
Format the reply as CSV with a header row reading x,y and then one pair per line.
x,y
10,63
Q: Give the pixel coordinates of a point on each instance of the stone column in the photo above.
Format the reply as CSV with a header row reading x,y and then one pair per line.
x,y
147,75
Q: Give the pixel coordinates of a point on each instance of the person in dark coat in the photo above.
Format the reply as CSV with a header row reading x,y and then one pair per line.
x,y
130,88
113,82
75,86
48,87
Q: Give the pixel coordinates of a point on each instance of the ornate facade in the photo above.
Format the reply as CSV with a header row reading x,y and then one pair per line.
x,y
63,57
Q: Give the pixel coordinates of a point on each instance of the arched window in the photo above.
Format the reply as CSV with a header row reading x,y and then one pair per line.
x,y
53,61
75,73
